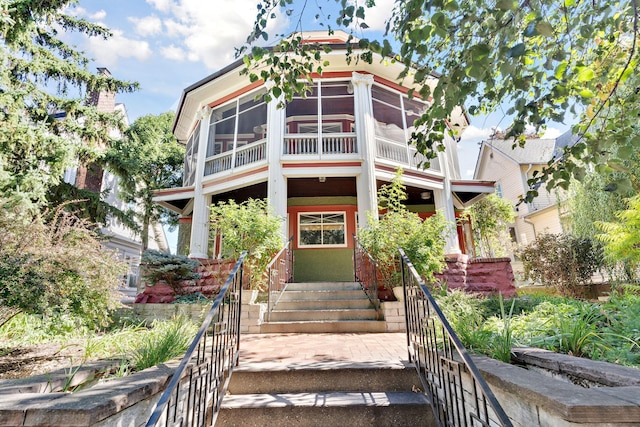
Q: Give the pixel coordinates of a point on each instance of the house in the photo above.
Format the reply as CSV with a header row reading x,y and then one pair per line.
x,y
319,161
93,178
511,167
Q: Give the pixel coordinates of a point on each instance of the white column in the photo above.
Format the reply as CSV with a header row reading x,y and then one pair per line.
x,y
444,204
277,184
199,244
365,135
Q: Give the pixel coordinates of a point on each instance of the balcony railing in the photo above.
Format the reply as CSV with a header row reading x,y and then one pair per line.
x,y
401,153
307,144
245,155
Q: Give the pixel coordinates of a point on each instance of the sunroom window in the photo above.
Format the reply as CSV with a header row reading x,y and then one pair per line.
x,y
324,229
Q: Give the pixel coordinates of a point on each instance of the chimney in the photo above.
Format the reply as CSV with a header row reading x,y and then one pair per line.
x,y
103,100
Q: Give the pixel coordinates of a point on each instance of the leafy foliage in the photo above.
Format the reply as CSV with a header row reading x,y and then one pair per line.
x,y
422,241
540,59
147,159
622,238
41,76
490,218
249,226
562,261
56,267
163,267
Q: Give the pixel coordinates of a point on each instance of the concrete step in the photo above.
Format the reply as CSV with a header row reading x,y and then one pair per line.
x,y
324,294
276,377
323,286
327,314
333,304
358,409
321,327
325,394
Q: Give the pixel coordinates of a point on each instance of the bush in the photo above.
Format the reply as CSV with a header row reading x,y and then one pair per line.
x,y
422,241
562,261
171,269
249,226
55,265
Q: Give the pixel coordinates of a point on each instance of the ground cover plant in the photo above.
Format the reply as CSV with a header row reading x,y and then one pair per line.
x,y
607,331
32,344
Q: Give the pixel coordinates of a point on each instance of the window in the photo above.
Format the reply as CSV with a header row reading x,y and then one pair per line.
x,y
321,229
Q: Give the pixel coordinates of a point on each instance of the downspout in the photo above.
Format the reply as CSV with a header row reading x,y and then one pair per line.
x,y
526,185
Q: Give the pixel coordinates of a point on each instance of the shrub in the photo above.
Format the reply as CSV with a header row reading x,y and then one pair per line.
x,y
55,264
167,268
249,226
562,261
422,241
167,340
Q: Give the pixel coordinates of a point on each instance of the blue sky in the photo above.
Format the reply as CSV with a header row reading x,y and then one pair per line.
x,y
167,45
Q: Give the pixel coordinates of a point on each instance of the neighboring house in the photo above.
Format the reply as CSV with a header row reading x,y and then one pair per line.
x,y
319,161
511,167
120,237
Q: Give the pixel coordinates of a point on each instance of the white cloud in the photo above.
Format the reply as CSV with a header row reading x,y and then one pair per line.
x,y
148,26
97,16
107,52
208,31
161,5
552,133
376,17
173,53
476,134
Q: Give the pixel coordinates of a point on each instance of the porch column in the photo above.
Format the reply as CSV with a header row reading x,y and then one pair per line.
x,y
277,183
365,135
444,203
199,244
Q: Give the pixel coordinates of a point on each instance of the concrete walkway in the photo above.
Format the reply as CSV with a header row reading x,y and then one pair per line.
x,y
347,347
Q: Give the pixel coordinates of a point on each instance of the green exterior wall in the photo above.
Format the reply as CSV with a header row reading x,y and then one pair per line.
x,y
323,265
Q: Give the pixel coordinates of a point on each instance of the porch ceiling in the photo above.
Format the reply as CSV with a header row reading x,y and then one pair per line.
x,y
312,187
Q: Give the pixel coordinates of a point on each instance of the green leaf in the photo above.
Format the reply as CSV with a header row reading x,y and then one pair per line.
x,y
544,28
586,93
506,4
517,50
561,70
585,74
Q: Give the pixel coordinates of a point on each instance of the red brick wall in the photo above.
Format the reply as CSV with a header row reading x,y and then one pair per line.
x,y
482,275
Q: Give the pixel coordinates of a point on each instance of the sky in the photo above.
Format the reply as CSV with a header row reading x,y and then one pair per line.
x,y
167,45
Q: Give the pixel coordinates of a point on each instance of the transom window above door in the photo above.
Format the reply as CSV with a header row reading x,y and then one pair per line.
x,y
326,229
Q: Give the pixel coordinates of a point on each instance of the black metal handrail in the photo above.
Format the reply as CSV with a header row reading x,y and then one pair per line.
x,y
365,271
459,394
196,389
280,272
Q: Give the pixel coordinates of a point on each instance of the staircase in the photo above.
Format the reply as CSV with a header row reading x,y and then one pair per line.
x,y
325,394
323,307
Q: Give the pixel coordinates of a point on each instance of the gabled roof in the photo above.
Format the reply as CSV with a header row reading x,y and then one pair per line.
x,y
536,151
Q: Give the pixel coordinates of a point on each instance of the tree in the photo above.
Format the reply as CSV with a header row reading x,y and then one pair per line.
x,y
541,59
147,159
622,238
44,82
490,218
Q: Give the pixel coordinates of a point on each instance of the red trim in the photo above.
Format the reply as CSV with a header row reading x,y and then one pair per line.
x,y
237,93
320,165
185,220
332,75
170,191
235,177
409,173
350,213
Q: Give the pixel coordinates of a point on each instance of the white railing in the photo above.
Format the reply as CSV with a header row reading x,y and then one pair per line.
x,y
400,153
245,155
307,144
